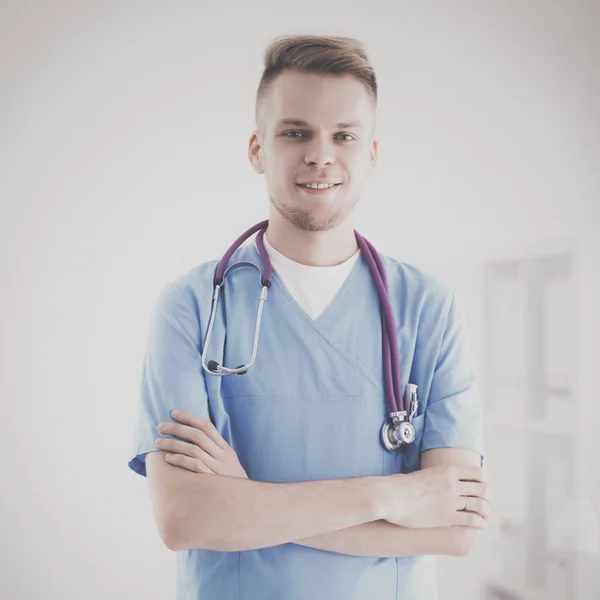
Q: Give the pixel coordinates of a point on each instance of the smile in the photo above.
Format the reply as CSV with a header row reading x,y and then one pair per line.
x,y
318,191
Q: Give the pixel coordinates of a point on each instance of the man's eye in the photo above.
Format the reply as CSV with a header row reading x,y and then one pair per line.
x,y
301,132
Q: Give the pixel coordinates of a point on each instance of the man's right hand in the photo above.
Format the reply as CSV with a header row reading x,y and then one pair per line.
x,y
432,497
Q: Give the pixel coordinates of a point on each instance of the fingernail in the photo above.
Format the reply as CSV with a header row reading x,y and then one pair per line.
x,y
175,413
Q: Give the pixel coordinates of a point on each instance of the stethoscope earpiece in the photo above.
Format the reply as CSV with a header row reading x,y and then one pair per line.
x,y
214,367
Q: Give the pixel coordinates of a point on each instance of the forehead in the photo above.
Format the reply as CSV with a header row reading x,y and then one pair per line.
x,y
307,99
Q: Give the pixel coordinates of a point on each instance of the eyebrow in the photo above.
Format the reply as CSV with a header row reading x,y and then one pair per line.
x,y
301,123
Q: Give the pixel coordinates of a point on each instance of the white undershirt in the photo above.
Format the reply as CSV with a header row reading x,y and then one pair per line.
x,y
313,288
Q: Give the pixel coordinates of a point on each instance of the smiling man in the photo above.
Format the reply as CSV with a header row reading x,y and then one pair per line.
x,y
280,482
301,140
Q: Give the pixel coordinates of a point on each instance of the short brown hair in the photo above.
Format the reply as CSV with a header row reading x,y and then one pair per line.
x,y
327,55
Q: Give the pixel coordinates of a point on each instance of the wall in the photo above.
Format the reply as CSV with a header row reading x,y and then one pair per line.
x,y
124,129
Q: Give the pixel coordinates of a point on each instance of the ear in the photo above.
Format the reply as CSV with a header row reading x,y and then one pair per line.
x,y
372,156
255,152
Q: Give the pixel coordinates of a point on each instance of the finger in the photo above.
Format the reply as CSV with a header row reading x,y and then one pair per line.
x,y
475,505
469,473
196,436
481,507
213,433
187,449
470,519
204,425
190,464
472,488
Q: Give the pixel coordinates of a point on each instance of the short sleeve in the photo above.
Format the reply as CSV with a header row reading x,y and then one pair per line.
x,y
453,414
172,373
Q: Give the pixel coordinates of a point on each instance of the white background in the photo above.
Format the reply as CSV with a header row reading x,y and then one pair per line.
x,y
124,129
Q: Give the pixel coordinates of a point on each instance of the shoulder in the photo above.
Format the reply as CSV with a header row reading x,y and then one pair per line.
x,y
430,312
191,291
419,290
185,296
196,281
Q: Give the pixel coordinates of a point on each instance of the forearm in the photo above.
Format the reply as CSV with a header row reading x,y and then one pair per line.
x,y
383,539
231,514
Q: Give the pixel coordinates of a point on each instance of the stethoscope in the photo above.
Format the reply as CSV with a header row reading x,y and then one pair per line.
x,y
398,430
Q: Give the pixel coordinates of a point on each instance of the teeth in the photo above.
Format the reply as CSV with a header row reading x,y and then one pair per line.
x,y
318,186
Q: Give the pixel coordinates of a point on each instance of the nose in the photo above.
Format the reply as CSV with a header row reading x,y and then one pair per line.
x,y
319,152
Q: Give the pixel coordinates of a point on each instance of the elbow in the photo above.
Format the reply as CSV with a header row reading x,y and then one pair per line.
x,y
167,534
178,543
177,536
170,539
173,539
171,529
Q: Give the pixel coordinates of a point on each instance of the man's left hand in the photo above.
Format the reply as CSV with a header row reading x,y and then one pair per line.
x,y
205,451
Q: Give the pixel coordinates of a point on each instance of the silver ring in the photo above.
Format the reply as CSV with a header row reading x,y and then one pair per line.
x,y
466,503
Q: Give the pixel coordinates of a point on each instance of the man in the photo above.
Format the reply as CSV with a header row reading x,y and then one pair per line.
x,y
278,485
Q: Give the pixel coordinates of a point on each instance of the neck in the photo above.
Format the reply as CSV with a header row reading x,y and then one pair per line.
x,y
312,248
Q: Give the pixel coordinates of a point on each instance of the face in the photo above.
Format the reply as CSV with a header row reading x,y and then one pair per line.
x,y
314,126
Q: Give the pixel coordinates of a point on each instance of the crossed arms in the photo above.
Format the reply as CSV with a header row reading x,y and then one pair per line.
x,y
229,513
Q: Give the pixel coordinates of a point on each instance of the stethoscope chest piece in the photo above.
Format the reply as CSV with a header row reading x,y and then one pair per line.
x,y
397,432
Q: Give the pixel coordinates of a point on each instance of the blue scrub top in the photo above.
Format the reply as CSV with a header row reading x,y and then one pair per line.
x,y
311,407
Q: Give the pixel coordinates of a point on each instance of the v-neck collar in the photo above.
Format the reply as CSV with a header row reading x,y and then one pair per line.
x,y
325,324
277,281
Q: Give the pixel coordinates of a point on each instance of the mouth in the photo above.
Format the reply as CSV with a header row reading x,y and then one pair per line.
x,y
318,191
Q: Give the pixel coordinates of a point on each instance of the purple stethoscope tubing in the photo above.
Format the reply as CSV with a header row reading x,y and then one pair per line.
x,y
391,361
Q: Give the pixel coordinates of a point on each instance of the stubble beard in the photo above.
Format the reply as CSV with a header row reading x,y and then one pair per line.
x,y
305,220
